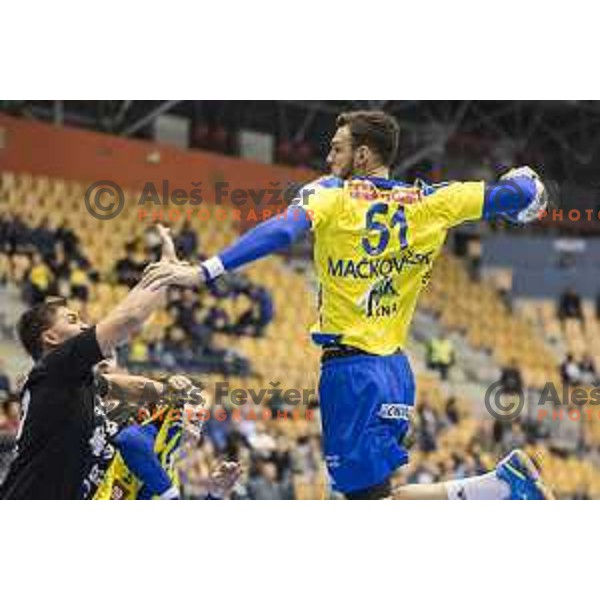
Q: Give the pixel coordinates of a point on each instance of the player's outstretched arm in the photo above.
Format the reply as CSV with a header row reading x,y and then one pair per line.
x,y
129,316
520,196
270,236
130,387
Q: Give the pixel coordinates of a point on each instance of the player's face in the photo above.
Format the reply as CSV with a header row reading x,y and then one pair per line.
x,y
341,156
344,160
67,324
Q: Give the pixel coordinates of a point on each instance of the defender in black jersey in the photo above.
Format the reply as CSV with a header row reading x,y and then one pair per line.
x,y
63,443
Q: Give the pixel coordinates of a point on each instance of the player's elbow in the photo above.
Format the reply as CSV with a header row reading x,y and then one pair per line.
x,y
295,223
285,237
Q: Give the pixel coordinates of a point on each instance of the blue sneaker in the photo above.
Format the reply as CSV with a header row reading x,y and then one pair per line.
x,y
524,480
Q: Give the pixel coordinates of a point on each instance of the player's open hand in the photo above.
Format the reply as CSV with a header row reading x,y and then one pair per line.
x,y
161,274
223,479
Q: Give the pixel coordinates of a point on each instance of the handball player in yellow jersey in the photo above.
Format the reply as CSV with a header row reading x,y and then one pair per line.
x,y
376,240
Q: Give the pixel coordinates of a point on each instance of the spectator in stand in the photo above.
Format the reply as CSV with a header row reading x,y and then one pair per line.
x,y
204,328
452,412
8,433
196,467
173,347
440,355
16,232
306,458
13,415
217,432
474,258
69,240
587,366
427,426
471,466
187,314
5,387
262,442
152,243
187,242
569,306
4,230
570,371
4,267
255,320
511,379
138,352
217,319
514,437
184,308
282,457
60,265
129,269
424,472
40,279
504,283
79,282
19,269
238,434
43,239
265,485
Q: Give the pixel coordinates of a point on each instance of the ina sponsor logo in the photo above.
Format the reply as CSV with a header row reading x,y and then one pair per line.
x,y
374,301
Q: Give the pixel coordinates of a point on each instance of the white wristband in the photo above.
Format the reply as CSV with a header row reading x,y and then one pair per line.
x,y
171,494
214,267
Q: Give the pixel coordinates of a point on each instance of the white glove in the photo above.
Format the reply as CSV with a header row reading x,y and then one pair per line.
x,y
535,208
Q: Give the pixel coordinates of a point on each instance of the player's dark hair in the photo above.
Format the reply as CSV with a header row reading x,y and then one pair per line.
x,y
35,321
375,129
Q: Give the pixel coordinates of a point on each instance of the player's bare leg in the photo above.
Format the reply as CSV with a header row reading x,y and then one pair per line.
x,y
515,478
484,487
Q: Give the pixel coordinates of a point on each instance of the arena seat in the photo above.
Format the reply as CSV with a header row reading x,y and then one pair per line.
x,y
476,310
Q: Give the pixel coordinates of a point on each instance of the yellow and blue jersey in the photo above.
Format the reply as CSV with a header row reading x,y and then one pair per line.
x,y
375,244
120,483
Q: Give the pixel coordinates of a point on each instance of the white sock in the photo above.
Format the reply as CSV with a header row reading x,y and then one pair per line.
x,y
484,487
171,494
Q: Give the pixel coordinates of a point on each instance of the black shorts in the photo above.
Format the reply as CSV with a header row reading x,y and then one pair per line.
x,y
379,491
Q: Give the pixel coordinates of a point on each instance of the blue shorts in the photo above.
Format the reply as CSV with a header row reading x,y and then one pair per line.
x,y
366,403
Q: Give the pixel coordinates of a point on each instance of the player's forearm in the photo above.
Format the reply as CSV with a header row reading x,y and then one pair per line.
x,y
270,236
128,317
131,387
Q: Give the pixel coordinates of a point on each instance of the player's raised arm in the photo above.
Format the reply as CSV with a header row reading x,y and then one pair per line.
x,y
266,238
129,316
519,196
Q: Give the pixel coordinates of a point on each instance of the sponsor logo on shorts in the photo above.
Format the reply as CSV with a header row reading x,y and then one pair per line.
x,y
395,411
333,461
